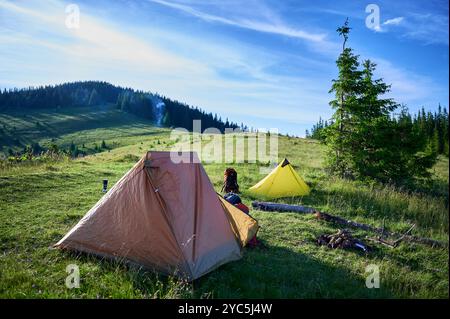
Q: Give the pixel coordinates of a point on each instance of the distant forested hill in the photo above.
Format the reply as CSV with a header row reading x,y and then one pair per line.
x,y
160,109
433,126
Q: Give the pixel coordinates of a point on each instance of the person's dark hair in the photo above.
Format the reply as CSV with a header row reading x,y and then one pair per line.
x,y
230,183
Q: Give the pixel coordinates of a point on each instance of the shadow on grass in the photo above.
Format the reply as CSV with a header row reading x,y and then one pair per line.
x,y
80,119
279,272
269,272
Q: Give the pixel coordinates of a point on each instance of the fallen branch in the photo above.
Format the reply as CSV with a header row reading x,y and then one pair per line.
x,y
380,240
396,242
268,206
391,244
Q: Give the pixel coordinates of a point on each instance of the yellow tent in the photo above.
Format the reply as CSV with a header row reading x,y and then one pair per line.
x,y
283,181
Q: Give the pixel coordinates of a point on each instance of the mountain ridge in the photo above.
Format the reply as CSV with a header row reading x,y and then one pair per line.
x,y
152,106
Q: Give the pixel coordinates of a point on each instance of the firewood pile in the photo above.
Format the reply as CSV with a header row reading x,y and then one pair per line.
x,y
342,239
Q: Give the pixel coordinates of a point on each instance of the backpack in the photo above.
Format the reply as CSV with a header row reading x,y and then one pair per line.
x,y
232,198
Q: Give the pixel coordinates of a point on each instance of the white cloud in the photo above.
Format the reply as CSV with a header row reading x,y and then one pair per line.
x,y
246,23
394,21
96,41
384,27
255,16
427,27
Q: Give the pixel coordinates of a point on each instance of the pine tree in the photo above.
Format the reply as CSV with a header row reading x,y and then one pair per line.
x,y
364,141
346,88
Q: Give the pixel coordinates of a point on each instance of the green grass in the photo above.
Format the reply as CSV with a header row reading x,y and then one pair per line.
x,y
40,203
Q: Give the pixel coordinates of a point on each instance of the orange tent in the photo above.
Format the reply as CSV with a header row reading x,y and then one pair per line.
x,y
164,216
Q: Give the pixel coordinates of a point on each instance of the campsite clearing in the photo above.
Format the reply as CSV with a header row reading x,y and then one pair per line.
x,y
40,203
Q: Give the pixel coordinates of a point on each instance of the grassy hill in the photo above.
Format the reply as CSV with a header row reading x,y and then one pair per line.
x,y
40,203
80,125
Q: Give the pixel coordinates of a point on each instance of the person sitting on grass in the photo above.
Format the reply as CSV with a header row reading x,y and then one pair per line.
x,y
231,189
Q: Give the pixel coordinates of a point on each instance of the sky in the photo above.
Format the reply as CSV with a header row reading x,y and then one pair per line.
x,y
266,63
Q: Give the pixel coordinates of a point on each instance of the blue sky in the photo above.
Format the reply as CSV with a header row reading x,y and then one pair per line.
x,y
266,63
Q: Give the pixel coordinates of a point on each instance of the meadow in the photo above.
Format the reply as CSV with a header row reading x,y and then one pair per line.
x,y
40,202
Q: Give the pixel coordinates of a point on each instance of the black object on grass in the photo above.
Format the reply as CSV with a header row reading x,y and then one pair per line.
x,y
105,186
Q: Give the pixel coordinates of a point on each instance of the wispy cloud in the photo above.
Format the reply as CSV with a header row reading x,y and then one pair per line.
x,y
394,21
278,28
406,86
429,28
384,27
95,41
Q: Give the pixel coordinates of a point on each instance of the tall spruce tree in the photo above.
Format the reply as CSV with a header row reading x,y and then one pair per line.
x,y
347,90
364,140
